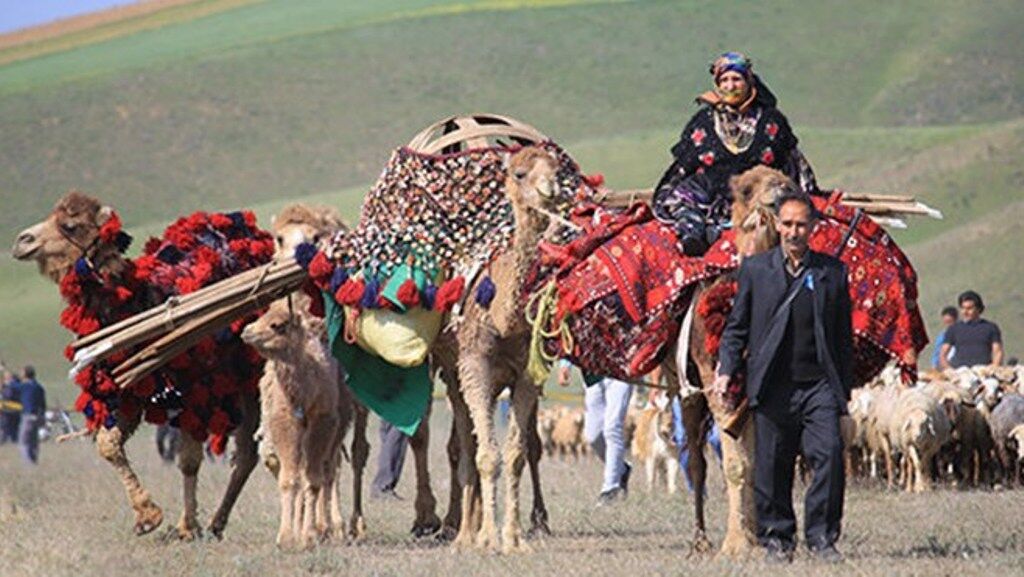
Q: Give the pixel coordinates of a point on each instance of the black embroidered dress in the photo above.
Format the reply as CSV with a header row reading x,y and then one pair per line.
x,y
693,195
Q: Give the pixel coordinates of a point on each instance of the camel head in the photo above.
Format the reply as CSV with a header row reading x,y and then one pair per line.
x,y
276,332
71,230
300,223
753,208
532,183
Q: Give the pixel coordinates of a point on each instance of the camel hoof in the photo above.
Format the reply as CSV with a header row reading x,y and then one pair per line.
x,y
357,528
215,532
487,540
447,534
736,549
189,534
539,524
149,522
539,529
516,546
701,545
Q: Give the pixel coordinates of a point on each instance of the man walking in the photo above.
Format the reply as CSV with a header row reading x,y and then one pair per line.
x,y
33,411
606,401
393,443
792,318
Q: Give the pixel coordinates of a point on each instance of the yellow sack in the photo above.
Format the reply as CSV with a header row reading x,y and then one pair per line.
x,y
402,339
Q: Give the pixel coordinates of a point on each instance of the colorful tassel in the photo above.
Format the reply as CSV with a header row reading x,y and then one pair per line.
x,y
428,297
485,292
449,294
304,254
338,277
82,267
408,294
350,292
369,299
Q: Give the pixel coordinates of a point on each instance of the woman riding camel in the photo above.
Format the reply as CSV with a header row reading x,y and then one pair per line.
x,y
737,128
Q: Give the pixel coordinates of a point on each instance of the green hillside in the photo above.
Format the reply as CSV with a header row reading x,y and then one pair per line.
x,y
279,100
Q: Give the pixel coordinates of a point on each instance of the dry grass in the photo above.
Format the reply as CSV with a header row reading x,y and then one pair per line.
x,y
68,517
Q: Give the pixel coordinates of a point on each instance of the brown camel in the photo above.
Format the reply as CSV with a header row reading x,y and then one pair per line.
x,y
487,353
297,224
306,419
69,233
754,223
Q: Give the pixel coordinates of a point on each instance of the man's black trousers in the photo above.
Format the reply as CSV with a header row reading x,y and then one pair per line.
x,y
802,417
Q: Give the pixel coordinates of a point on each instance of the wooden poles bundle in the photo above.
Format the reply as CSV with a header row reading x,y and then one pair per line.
x,y
180,323
876,205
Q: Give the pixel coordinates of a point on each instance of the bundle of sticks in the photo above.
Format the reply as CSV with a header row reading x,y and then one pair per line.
x,y
886,209
181,322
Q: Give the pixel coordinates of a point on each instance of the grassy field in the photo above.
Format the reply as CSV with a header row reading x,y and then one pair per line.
x,y
69,517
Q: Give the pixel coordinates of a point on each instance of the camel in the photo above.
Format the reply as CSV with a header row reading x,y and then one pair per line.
x,y
487,353
753,194
306,417
70,232
297,224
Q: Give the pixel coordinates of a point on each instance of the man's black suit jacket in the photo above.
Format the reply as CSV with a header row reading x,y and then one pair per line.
x,y
762,289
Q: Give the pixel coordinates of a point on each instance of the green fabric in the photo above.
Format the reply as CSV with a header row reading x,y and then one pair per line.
x,y
591,380
398,395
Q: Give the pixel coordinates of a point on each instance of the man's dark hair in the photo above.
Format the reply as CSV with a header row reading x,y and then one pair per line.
x,y
971,296
789,194
950,311
30,372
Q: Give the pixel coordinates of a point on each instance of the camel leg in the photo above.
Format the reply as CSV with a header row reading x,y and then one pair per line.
x,y
287,438
890,473
427,522
475,378
695,423
190,458
315,454
452,519
534,452
468,480
243,461
524,402
110,445
360,452
738,463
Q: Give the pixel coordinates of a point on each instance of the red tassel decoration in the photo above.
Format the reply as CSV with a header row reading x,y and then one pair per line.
x,y
449,293
350,292
408,294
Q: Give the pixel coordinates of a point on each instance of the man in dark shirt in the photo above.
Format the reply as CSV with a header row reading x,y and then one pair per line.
x,y
976,340
33,411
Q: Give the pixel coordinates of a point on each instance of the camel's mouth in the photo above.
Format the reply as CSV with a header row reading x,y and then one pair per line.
x,y
20,252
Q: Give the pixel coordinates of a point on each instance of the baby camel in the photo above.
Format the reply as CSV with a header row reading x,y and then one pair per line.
x,y
306,421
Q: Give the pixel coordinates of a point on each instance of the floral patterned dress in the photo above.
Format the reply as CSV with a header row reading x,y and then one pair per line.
x,y
693,195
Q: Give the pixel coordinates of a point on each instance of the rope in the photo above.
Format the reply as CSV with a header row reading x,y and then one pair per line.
x,y
539,365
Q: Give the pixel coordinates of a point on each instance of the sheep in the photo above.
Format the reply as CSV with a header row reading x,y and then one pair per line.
x,y
971,438
1007,422
567,433
918,429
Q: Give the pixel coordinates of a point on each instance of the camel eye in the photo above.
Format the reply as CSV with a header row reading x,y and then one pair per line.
x,y
68,227
279,328
279,239
520,174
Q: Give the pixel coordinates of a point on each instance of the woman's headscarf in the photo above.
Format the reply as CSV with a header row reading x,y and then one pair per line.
x,y
756,90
